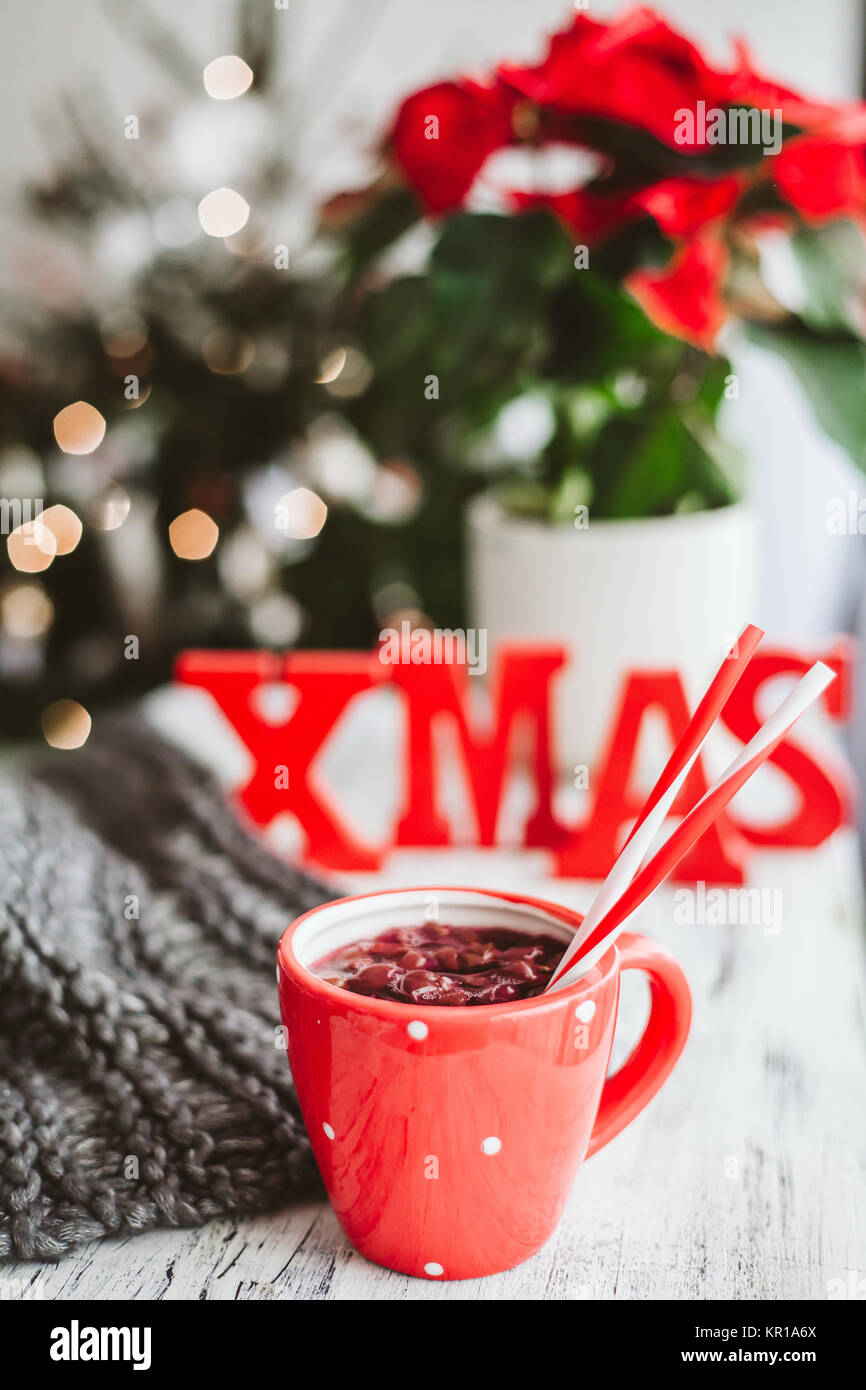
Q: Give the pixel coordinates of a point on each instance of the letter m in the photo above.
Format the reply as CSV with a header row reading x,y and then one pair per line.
x,y
520,705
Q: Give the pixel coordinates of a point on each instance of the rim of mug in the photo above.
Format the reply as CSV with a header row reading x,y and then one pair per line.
x,y
393,1009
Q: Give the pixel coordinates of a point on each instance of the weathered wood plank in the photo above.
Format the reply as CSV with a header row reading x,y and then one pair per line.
x,y
744,1178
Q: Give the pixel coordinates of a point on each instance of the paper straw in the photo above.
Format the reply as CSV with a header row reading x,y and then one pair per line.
x,y
707,712
692,826
665,791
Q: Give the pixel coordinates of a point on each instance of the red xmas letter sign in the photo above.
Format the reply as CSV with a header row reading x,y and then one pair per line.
x,y
325,682
519,699
616,803
824,796
520,693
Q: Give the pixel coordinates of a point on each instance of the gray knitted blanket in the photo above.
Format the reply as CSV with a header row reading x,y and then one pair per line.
x,y
142,1078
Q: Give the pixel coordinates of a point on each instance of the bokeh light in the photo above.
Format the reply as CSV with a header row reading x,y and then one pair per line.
x,y
251,240
331,366
193,535
64,526
175,224
269,367
245,565
354,376
26,611
277,620
110,509
31,547
66,724
300,514
124,334
228,352
134,402
223,212
79,428
21,472
227,77
396,493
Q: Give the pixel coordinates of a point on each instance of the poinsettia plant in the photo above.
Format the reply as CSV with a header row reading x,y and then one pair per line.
x,y
592,222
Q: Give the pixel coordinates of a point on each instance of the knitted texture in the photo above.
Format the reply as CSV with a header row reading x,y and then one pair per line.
x,y
143,1080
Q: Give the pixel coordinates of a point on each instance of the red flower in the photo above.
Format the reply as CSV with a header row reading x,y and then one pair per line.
x,y
821,178
443,135
746,87
846,124
685,297
681,207
592,216
636,70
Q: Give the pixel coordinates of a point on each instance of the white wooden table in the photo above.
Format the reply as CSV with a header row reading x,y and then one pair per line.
x,y
744,1178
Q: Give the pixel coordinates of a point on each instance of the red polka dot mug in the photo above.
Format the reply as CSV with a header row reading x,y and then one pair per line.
x,y
448,1137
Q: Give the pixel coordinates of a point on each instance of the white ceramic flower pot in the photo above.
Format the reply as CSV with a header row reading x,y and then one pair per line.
x,y
664,592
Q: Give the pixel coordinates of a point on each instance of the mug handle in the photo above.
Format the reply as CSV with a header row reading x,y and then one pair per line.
x,y
627,1092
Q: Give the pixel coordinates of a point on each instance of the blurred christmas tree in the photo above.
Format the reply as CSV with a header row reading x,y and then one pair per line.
x,y
254,423
176,384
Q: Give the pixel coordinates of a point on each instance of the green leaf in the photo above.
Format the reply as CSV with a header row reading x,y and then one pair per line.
x,y
832,373
509,251
597,330
377,228
831,262
575,490
664,463
524,497
588,408
396,323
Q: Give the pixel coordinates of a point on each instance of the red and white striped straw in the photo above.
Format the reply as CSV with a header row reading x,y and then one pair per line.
x,y
692,826
665,791
707,712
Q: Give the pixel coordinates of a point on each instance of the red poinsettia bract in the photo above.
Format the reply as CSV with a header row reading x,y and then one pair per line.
x,y
635,70
685,297
443,135
636,73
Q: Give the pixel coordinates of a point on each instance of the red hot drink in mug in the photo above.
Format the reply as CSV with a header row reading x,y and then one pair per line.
x,y
449,1100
